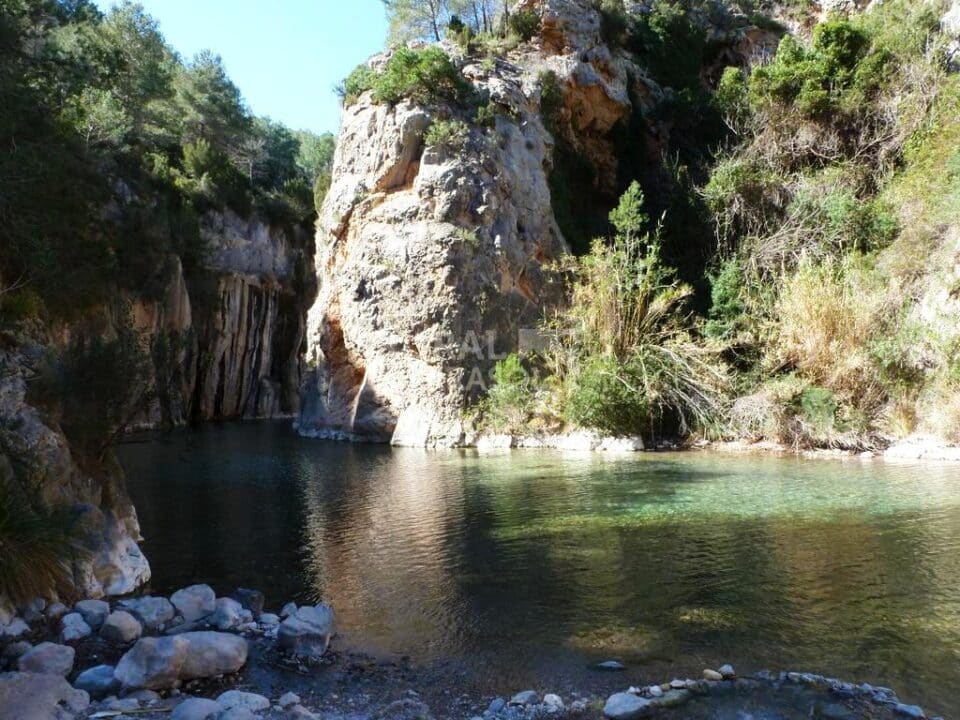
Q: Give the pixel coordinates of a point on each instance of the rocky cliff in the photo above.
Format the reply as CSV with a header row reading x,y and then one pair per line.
x,y
224,343
430,260
233,337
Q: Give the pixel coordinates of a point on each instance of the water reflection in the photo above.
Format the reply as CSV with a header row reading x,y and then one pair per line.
x,y
529,565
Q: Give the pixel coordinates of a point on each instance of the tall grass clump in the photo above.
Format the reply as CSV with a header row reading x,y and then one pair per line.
x,y
36,548
627,352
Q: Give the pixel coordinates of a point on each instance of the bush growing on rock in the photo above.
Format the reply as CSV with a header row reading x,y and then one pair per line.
x,y
425,76
449,135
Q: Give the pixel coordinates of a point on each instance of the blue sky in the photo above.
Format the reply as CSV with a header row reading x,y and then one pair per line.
x,y
284,55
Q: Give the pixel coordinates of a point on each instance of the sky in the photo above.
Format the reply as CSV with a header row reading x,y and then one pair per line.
x,y
286,56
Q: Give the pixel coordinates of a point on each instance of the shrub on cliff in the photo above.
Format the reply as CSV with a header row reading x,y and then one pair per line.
x,y
424,76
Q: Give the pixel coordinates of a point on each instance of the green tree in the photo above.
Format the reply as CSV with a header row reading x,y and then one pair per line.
x,y
211,105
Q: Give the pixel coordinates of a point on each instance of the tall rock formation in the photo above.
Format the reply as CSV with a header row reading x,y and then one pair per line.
x,y
225,343
431,259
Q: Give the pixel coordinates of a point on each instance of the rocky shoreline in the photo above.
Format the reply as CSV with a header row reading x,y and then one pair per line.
x,y
196,656
909,449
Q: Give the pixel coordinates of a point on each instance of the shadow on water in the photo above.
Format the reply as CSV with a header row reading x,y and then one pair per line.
x,y
520,569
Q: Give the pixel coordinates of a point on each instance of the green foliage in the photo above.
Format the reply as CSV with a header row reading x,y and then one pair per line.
x,y
835,74
525,23
487,115
425,76
507,405
449,135
732,97
95,387
36,547
670,43
95,110
819,408
626,351
726,295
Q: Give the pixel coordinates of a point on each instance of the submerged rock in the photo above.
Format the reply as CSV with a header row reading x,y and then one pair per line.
x,y
307,631
156,663
30,696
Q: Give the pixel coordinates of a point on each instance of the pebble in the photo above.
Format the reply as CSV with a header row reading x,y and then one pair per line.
x,y
93,612
240,699
552,701
497,704
120,627
74,627
527,697
610,665
727,671
713,675
655,690
196,709
288,699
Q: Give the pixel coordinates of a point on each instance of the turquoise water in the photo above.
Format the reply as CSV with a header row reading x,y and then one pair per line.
x,y
519,569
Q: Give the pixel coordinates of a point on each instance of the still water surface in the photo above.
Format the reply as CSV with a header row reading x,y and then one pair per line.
x,y
519,569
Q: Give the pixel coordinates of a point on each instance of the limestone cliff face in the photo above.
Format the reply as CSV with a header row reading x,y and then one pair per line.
x,y
430,260
226,343
234,340
35,454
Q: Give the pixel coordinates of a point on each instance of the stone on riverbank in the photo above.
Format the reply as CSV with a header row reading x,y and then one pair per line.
x,y
251,600
98,681
29,696
93,612
712,675
14,629
55,611
159,662
626,706
73,627
120,627
527,697
152,612
227,614
727,671
307,632
288,699
48,658
194,602
247,700
196,709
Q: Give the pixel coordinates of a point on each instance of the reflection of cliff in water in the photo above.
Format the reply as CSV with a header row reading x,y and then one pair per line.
x,y
533,564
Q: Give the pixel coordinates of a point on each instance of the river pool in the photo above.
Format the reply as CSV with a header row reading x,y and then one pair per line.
x,y
521,569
